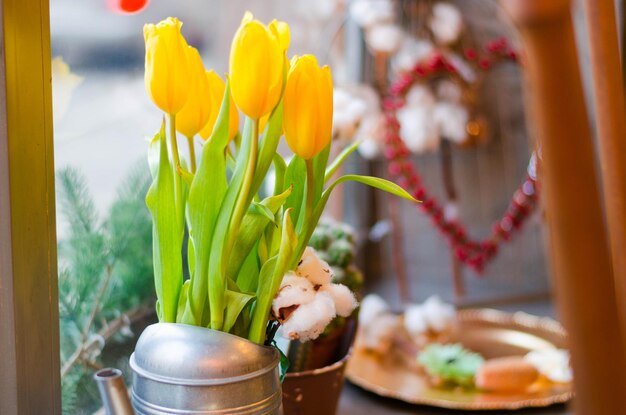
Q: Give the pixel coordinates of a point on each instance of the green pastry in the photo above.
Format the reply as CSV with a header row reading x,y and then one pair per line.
x,y
450,364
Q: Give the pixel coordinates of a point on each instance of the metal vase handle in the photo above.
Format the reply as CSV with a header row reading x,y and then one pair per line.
x,y
113,392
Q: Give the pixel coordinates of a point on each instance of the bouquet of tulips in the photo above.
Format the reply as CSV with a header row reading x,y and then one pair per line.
x,y
239,246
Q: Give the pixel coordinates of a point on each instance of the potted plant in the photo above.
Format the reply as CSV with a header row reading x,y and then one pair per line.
x,y
211,350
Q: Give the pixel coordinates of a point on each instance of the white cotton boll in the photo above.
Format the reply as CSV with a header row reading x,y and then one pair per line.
x,y
313,268
372,306
372,127
552,363
378,336
420,95
344,126
294,290
414,320
370,12
439,315
345,301
446,23
368,95
348,110
370,133
356,109
417,129
384,38
411,52
449,91
369,149
450,212
341,98
308,321
451,121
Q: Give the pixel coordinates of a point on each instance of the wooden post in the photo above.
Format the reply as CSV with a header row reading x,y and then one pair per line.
x,y
29,309
580,254
447,176
610,109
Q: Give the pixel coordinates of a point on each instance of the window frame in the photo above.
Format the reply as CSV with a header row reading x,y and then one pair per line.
x,y
29,325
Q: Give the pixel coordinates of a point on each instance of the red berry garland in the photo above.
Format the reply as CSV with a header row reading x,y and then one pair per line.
x,y
473,253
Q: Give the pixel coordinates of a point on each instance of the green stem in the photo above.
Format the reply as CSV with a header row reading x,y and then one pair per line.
x,y
308,214
239,210
192,154
177,184
241,206
174,142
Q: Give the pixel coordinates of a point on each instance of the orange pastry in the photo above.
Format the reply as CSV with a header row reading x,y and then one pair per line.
x,y
506,374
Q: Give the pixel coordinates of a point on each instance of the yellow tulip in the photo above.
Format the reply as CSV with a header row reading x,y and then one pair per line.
x,y
167,71
197,110
217,88
308,107
257,58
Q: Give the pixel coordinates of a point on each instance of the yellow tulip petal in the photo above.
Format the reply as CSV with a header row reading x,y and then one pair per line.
x,y
197,110
166,67
217,88
281,30
307,106
256,66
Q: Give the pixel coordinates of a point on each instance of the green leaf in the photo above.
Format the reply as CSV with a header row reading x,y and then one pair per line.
x,y
167,230
191,256
235,303
296,176
319,170
375,182
283,365
259,320
154,153
219,249
340,159
262,210
251,230
182,301
279,168
248,277
203,210
159,310
268,287
267,146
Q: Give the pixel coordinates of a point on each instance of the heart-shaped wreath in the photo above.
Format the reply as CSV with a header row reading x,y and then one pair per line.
x,y
471,252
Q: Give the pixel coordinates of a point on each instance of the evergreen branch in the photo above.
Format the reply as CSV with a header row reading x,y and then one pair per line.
x,y
108,331
75,201
96,304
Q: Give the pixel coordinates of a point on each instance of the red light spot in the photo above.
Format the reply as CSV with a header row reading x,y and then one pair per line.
x,y
127,6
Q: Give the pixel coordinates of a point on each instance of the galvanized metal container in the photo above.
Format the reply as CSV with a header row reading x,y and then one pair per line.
x,y
186,369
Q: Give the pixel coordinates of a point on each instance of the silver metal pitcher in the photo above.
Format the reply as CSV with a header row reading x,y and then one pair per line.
x,y
181,369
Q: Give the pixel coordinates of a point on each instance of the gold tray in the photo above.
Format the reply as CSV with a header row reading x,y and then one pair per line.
x,y
491,333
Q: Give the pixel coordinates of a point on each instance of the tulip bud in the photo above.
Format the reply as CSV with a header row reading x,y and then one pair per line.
x,y
257,59
215,96
167,70
198,108
308,107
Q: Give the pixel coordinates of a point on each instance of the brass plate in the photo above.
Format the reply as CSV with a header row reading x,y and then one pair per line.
x,y
491,333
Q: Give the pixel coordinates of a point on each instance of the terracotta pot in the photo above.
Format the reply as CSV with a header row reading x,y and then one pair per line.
x,y
317,391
